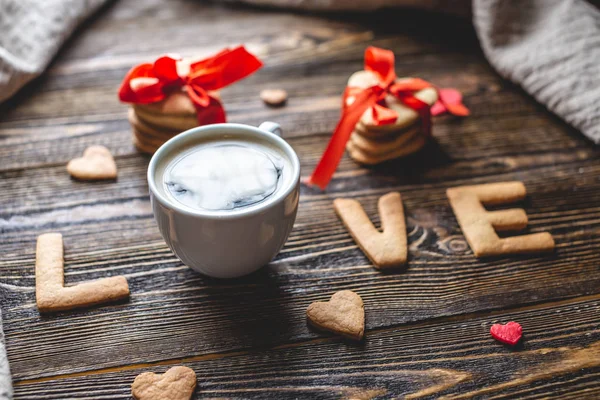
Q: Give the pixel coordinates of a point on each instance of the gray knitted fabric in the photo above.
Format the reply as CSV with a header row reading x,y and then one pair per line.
x,y
552,49
458,7
31,32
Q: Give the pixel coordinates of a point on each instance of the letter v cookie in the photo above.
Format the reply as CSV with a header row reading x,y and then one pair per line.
x,y
386,249
50,292
479,225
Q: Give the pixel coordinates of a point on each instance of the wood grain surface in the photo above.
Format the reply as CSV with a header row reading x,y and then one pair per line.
x,y
427,327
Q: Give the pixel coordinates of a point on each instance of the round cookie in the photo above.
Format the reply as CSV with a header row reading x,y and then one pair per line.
x,y
274,97
378,148
169,122
175,112
363,79
175,104
148,130
147,139
387,136
144,143
144,147
361,157
406,115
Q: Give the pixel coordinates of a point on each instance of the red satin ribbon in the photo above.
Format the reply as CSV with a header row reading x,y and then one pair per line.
x,y
381,63
152,82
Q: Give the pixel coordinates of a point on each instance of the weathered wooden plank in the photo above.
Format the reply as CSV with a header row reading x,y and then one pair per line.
x,y
55,189
559,355
57,202
319,258
248,337
28,147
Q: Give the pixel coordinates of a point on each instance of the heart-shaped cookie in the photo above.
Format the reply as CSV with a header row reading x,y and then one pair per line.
x,y
95,164
343,314
178,383
510,333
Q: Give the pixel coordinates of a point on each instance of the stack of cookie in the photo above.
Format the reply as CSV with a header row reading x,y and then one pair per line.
x,y
155,123
373,144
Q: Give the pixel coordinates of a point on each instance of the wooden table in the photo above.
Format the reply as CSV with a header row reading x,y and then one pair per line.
x,y
427,327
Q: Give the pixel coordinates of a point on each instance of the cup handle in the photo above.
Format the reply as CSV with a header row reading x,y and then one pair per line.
x,y
272,127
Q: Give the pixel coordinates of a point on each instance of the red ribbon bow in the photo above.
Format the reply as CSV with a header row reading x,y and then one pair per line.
x,y
152,82
381,63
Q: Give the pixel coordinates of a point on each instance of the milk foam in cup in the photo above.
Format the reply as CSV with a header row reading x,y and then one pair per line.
x,y
224,175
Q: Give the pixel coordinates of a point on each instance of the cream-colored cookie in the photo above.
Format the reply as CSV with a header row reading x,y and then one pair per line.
x,y
274,97
176,112
97,163
143,145
387,135
410,147
142,138
406,115
363,79
479,225
176,103
148,130
169,122
381,147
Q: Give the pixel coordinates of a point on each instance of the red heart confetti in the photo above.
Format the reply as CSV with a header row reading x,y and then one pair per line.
x,y
450,101
509,333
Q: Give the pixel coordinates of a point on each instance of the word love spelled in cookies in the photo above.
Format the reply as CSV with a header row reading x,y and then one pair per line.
x,y
178,383
343,314
50,292
96,164
386,249
479,225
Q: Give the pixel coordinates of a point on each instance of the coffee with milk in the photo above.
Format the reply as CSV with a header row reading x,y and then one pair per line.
x,y
226,174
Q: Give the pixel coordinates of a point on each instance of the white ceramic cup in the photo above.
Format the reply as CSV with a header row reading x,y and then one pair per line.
x,y
225,244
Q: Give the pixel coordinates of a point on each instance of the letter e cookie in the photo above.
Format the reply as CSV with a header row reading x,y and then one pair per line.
x,y
479,225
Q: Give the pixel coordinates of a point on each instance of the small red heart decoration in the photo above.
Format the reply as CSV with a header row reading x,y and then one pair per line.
x,y
450,101
510,333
